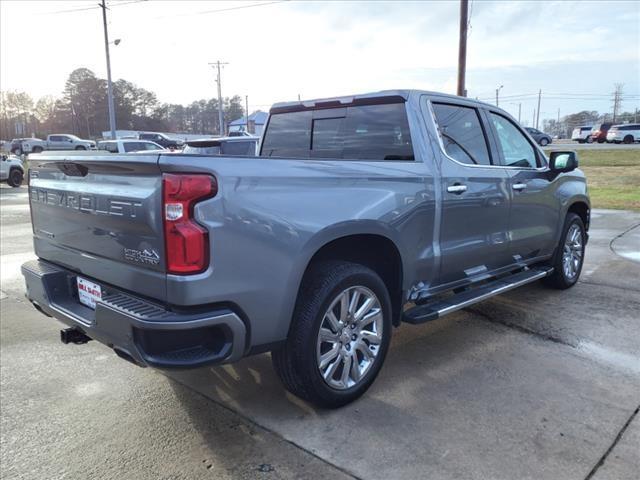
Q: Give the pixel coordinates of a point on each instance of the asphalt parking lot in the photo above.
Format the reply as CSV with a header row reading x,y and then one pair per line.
x,y
536,384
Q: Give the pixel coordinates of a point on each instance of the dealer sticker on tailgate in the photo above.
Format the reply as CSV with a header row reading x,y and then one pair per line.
x,y
88,292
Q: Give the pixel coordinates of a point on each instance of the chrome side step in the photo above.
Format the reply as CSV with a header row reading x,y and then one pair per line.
x,y
432,311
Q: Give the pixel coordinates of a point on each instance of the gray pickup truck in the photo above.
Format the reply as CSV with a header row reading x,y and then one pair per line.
x,y
360,213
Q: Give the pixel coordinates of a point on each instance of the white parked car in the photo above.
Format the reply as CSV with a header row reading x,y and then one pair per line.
x,y
57,142
626,133
128,146
11,169
582,134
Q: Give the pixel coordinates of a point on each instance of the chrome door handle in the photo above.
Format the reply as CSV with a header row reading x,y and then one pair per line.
x,y
519,186
457,188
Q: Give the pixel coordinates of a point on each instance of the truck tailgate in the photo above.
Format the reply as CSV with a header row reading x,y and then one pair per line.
x,y
101,216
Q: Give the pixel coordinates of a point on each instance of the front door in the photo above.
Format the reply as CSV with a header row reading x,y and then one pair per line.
x,y
535,209
475,197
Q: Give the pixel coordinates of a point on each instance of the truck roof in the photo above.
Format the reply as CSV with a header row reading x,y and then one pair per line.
x,y
383,96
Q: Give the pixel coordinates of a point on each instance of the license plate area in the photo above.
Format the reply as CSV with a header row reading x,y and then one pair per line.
x,y
88,292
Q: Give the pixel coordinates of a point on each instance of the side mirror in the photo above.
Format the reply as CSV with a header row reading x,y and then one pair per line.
x,y
561,162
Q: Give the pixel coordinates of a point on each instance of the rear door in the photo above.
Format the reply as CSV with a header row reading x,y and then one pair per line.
x,y
101,216
475,205
535,209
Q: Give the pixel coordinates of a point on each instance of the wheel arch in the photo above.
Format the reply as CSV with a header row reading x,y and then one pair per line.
x,y
372,246
581,208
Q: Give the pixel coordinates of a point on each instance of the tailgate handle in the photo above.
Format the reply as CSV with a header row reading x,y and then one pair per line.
x,y
73,169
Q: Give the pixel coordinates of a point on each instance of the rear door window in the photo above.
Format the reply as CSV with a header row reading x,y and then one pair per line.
x,y
361,132
462,134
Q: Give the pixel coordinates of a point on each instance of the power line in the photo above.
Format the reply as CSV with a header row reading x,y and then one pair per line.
x,y
204,12
73,10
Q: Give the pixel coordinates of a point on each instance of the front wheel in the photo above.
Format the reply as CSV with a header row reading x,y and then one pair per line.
x,y
628,139
339,335
544,142
80,147
15,178
589,140
569,256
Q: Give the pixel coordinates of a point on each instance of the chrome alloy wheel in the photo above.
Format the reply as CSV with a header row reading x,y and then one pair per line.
x,y
572,252
350,337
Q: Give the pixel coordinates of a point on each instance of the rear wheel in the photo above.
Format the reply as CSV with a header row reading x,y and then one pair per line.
x,y
544,142
339,335
628,139
569,256
36,149
15,178
589,139
80,147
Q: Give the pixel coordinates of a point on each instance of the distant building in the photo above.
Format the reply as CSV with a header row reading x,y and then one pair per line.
x,y
257,121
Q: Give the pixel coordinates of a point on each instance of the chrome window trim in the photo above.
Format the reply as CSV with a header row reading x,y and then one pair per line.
x,y
471,165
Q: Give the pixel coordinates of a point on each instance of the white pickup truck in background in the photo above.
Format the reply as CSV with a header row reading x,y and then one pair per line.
x,y
57,142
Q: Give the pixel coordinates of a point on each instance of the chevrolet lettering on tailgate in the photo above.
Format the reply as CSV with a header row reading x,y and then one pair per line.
x,y
84,202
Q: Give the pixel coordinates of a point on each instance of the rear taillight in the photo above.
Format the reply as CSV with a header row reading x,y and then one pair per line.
x,y
186,241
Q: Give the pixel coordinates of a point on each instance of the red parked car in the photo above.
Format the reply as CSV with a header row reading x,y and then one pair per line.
x,y
599,132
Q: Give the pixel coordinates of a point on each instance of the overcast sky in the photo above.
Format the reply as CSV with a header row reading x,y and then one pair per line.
x,y
573,51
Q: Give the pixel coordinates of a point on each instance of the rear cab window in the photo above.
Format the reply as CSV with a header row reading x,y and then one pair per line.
x,y
241,148
354,132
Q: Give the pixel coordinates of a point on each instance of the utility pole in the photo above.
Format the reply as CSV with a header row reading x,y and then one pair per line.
x,y
112,112
497,93
538,115
217,64
462,48
534,117
617,100
558,124
246,105
519,111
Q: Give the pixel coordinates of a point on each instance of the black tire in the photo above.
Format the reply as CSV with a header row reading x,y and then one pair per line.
x,y
15,178
559,278
589,139
544,142
17,151
36,149
601,140
628,139
296,363
80,147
